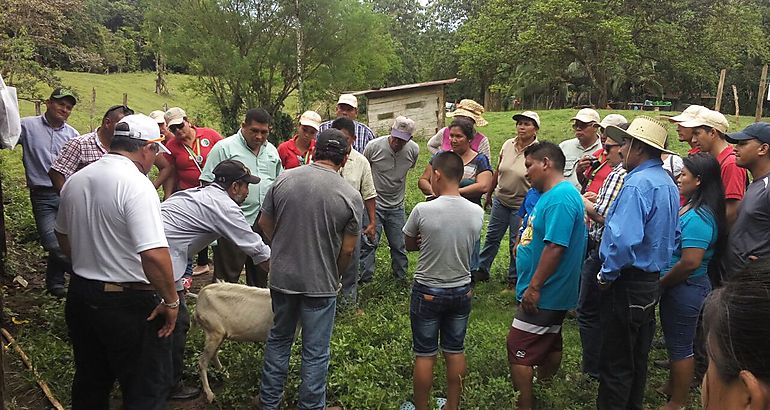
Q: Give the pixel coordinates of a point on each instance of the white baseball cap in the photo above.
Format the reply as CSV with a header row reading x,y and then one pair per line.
x,y
528,115
587,115
348,99
311,119
402,128
175,116
612,119
158,116
689,113
141,127
708,118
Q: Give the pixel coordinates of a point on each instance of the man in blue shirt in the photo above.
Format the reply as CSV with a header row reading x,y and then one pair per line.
x,y
42,138
640,235
549,258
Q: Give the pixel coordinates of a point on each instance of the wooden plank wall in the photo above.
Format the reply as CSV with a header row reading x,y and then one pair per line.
x,y
421,105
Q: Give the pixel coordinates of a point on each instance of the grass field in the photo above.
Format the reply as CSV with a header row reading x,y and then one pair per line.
x,y
371,354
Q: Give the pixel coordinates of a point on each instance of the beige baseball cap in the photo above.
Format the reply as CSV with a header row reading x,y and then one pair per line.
x,y
311,119
612,119
689,113
708,118
348,99
403,128
528,115
158,116
175,116
587,115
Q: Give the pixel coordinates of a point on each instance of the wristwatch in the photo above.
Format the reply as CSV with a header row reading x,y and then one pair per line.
x,y
170,305
600,280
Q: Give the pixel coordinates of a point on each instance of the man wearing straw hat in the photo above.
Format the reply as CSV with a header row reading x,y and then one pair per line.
x,y
640,234
469,110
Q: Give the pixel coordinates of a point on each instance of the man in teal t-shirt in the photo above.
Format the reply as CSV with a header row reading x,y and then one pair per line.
x,y
549,259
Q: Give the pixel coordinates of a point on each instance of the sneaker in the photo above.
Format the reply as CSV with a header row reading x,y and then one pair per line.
x,y
184,392
201,270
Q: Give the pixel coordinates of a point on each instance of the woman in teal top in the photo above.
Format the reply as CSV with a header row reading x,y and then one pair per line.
x,y
686,283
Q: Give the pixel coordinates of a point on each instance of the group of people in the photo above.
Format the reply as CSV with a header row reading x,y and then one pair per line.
x,y
608,223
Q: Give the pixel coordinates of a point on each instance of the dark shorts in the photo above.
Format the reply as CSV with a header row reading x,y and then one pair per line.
x,y
680,307
439,312
533,337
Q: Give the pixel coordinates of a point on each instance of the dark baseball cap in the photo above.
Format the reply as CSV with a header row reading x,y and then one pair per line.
x,y
758,130
230,170
332,140
59,93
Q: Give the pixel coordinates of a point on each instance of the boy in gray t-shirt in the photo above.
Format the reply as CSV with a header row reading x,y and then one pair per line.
x,y
444,231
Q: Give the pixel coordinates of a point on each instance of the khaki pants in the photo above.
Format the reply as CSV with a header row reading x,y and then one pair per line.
x,y
229,261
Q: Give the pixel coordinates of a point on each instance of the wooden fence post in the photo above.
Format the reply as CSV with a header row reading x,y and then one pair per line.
x,y
92,108
37,108
737,109
761,94
720,89
125,99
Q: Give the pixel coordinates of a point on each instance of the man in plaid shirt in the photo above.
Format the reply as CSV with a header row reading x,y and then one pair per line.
x,y
347,106
597,205
87,148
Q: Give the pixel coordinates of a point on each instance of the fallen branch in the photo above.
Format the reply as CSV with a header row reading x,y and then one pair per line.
x,y
24,358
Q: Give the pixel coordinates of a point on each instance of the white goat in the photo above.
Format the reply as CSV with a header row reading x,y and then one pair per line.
x,y
230,311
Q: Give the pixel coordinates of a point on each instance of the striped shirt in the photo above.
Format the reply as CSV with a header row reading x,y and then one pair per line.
x,y
77,153
364,134
607,193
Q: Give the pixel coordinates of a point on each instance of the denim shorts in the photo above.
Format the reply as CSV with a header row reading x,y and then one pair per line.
x,y
680,307
440,312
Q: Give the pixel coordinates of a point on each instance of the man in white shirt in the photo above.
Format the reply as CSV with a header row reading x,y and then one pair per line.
x,y
578,151
121,304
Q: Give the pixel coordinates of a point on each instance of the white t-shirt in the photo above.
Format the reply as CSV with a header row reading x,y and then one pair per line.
x,y
110,212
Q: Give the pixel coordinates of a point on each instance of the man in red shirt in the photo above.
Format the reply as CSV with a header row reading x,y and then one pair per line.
x,y
189,149
708,134
299,150
685,134
595,168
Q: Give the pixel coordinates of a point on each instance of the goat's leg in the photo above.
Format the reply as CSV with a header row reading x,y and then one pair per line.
x,y
210,348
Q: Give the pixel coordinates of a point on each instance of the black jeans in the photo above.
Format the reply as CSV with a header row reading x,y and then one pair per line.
x,y
627,318
588,312
112,339
179,338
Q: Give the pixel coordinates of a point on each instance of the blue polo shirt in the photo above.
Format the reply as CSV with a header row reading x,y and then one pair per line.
x,y
699,230
558,218
41,145
642,227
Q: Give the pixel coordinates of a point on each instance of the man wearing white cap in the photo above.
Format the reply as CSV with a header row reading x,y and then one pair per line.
x,y
708,134
586,142
593,171
299,149
640,234
391,158
685,134
121,304
347,106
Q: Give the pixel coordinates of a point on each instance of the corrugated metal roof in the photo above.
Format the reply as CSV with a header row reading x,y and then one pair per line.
x,y
404,87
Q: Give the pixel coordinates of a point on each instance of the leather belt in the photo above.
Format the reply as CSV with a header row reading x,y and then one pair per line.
x,y
123,286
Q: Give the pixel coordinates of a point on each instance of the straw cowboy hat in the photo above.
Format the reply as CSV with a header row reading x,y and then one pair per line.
x,y
645,129
471,109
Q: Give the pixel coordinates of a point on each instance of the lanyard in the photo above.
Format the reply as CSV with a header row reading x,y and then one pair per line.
x,y
196,156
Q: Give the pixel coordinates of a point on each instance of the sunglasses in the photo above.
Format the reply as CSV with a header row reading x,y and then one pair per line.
x,y
578,125
123,108
176,127
608,147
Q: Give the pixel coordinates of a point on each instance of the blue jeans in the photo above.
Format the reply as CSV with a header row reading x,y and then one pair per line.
x,y
350,277
45,205
392,220
502,218
442,312
680,306
317,317
588,312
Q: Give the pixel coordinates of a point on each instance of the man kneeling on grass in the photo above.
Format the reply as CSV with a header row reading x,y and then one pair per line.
x,y
549,259
444,230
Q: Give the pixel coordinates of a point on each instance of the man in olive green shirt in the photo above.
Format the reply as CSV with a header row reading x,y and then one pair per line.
x,y
251,147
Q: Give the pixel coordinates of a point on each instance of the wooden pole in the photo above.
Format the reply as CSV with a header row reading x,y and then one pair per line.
x,y
24,358
125,99
761,94
37,108
720,89
737,109
3,253
92,108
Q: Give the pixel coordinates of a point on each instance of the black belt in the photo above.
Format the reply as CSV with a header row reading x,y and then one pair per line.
x,y
43,189
639,275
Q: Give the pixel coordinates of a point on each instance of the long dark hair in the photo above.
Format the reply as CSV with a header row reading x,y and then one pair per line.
x,y
709,198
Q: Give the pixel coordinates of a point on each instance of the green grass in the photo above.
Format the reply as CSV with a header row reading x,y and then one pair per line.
x,y
140,88
371,355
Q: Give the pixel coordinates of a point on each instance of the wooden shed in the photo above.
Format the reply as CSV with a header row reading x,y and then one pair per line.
x,y
422,102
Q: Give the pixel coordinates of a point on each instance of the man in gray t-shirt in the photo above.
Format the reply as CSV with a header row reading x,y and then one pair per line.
x,y
311,247
391,158
748,239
